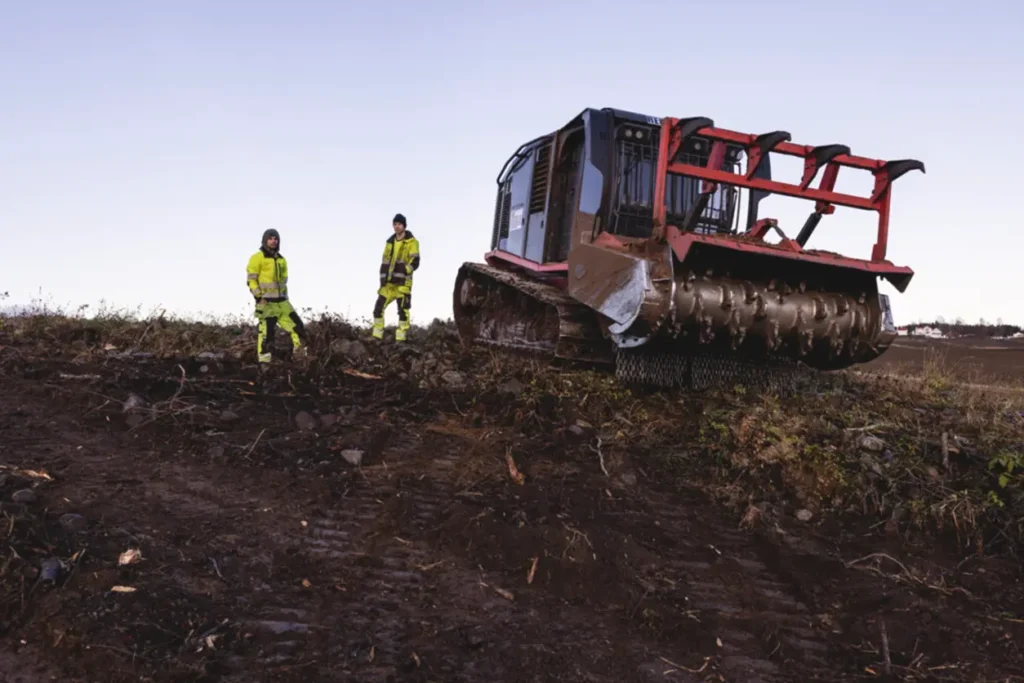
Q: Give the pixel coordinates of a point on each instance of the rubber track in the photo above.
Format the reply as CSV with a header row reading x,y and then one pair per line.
x,y
579,336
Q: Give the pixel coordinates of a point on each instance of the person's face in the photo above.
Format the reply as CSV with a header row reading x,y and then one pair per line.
x,y
398,227
272,242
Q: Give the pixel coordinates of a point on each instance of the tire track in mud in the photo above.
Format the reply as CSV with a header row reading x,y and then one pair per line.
x,y
375,581
402,607
766,634
384,602
395,594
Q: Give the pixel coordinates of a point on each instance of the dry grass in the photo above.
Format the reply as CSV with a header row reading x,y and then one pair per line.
x,y
922,452
48,330
917,451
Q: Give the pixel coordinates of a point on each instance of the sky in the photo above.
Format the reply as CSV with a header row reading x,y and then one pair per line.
x,y
145,147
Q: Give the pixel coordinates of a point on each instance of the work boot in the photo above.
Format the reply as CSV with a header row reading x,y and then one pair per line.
x,y
403,329
378,328
262,372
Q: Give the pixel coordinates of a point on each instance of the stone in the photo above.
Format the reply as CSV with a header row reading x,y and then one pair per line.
x,y
872,443
804,515
357,351
453,379
869,462
304,421
51,569
24,496
134,401
73,522
353,456
513,386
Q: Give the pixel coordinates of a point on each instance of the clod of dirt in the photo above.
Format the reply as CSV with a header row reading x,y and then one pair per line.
x,y
304,421
24,496
228,416
352,457
328,420
73,522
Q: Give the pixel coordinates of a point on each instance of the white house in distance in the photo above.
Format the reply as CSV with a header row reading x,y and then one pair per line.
x,y
922,331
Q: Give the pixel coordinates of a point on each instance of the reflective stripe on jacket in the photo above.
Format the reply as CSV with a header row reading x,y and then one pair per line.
x,y
401,258
267,276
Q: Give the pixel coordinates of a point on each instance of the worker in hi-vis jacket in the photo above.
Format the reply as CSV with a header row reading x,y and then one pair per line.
x,y
267,277
401,258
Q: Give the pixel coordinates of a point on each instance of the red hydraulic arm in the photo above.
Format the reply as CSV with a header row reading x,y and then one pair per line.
x,y
757,147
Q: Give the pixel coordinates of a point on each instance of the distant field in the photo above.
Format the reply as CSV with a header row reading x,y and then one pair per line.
x,y
975,360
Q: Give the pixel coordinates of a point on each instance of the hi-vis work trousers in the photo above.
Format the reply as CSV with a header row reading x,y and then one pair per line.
x,y
270,315
403,298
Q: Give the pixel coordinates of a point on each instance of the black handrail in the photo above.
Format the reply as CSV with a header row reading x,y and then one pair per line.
x,y
518,154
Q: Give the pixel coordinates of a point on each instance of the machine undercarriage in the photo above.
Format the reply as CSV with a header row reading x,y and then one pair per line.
x,y
504,309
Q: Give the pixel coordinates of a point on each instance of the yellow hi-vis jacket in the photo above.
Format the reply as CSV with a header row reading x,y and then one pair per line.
x,y
267,276
401,258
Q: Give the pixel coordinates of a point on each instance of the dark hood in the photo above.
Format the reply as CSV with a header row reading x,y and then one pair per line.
x,y
263,244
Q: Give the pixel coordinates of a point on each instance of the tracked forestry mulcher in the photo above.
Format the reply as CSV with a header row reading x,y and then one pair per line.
x,y
617,240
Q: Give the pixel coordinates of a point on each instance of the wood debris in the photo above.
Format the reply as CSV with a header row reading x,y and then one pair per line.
x,y
129,557
357,373
513,471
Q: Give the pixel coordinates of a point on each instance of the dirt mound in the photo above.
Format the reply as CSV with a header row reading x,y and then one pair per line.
x,y
420,512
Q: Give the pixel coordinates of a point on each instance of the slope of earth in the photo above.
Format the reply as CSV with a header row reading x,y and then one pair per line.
x,y
422,513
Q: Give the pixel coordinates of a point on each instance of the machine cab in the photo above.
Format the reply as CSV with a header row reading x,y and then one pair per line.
x,y
596,174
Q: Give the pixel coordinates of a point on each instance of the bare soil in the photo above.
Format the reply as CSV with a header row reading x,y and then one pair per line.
x,y
266,555
969,359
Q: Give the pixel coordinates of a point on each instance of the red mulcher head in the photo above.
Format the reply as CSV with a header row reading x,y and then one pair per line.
x,y
757,147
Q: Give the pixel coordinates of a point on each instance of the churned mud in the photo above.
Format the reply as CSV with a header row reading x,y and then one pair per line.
x,y
424,514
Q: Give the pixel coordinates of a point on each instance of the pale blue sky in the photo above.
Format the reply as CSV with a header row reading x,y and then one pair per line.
x,y
145,147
